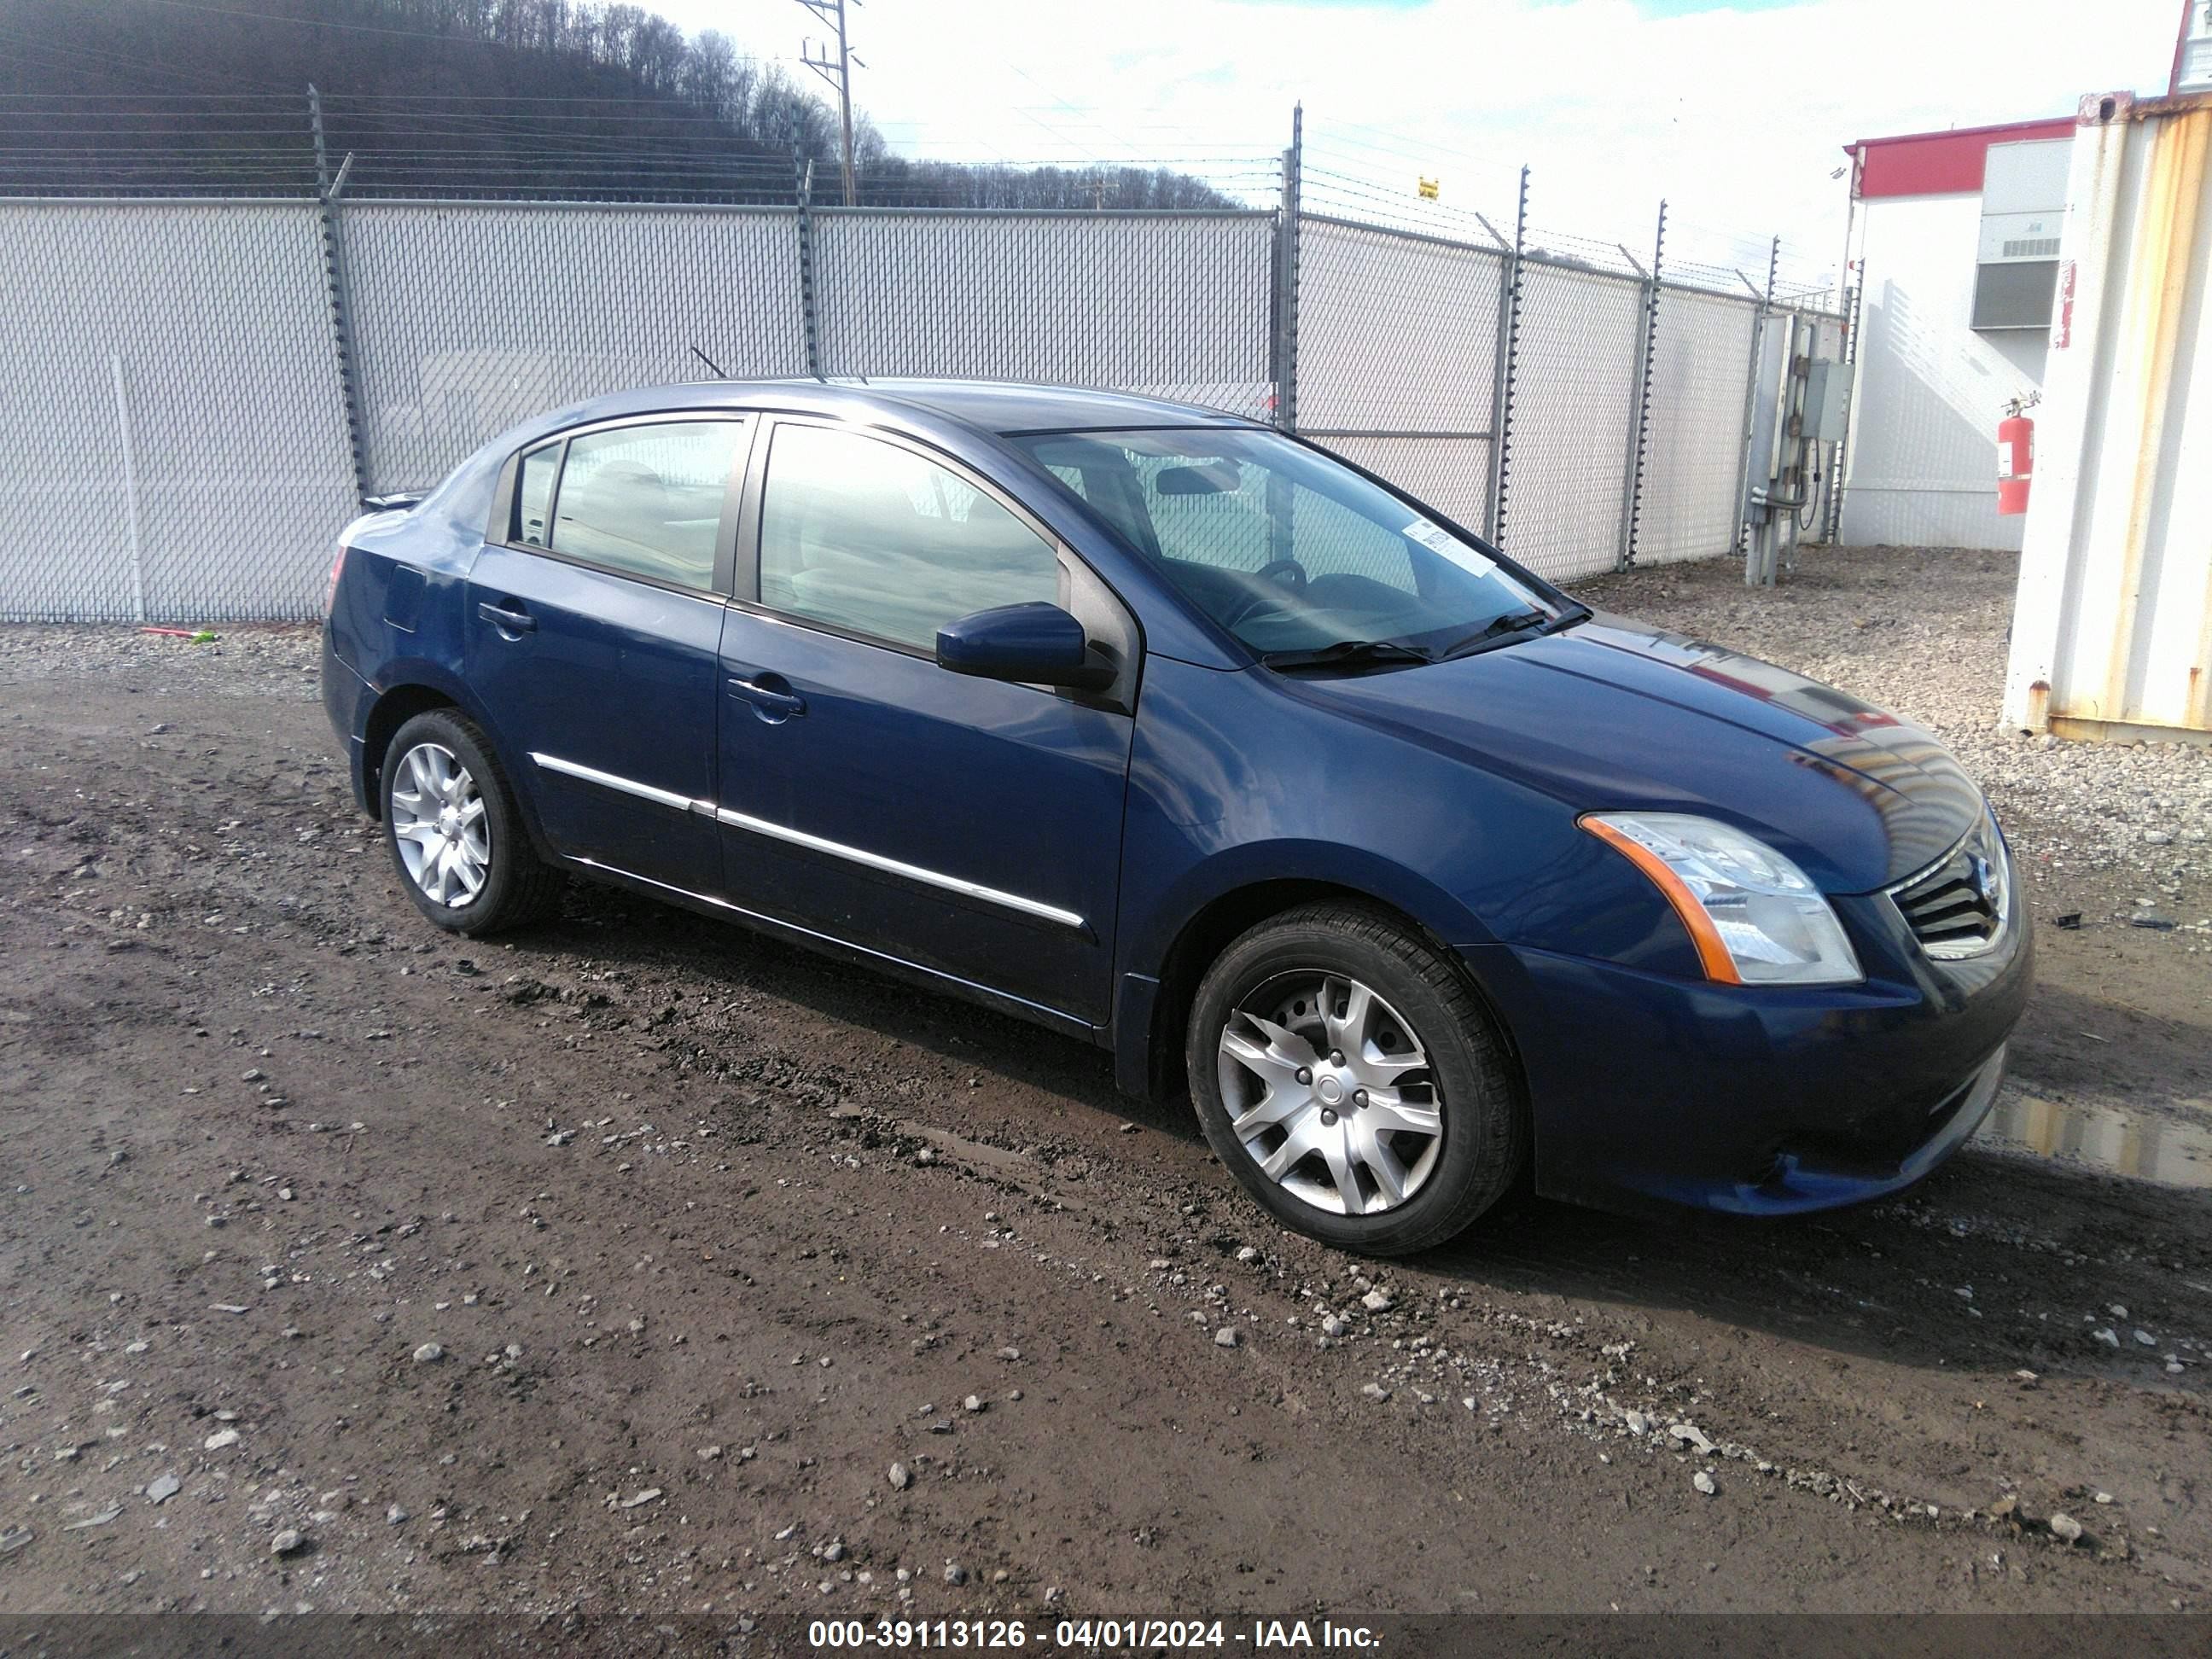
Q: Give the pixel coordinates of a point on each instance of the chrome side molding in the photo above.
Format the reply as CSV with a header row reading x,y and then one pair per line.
x,y
836,849
623,786
914,872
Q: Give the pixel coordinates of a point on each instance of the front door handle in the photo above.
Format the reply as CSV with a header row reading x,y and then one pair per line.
x,y
511,623
774,703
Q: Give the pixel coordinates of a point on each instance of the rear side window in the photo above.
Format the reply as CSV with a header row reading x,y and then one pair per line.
x,y
875,539
533,494
645,499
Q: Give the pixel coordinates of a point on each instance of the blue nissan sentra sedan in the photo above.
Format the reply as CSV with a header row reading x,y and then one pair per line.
x,y
1159,727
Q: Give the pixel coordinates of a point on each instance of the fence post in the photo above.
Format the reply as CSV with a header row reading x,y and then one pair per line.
x,y
1509,351
1751,412
1286,278
808,300
129,488
1647,341
1833,528
327,191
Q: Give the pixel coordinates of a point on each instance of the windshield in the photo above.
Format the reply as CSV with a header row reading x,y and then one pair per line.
x,y
1289,551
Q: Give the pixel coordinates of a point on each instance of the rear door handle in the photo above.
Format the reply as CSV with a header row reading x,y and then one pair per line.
x,y
771,702
509,622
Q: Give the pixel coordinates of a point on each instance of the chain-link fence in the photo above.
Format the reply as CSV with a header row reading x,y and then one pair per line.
x,y
1397,357
1701,360
197,391
467,317
173,434
1170,304
1573,416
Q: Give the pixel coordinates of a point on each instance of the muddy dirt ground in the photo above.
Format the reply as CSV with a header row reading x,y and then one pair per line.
x,y
635,1264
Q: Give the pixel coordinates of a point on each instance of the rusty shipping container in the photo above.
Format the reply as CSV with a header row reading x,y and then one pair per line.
x,y
2112,629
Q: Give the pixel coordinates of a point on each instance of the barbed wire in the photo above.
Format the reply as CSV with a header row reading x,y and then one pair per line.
x,y
482,146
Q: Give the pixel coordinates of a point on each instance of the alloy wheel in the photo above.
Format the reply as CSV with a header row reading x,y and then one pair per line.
x,y
438,824
1331,1093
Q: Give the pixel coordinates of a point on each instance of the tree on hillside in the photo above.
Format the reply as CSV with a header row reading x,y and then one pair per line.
x,y
435,97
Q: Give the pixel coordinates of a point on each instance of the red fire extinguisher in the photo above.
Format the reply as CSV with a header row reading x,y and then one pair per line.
x,y
2016,453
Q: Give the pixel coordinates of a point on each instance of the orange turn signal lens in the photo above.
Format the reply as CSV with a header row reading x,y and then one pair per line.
x,y
1712,954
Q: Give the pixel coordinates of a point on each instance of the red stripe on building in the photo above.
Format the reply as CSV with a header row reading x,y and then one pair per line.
x,y
1939,163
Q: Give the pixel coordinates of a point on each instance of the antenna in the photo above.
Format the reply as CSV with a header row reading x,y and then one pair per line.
x,y
709,361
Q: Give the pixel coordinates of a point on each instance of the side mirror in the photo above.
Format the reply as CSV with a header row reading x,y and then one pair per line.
x,y
1033,644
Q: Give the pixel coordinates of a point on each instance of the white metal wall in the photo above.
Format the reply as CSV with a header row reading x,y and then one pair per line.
x,y
2112,631
1930,389
171,430
1173,305
468,317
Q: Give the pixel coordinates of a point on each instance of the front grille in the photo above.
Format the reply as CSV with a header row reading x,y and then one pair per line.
x,y
1958,907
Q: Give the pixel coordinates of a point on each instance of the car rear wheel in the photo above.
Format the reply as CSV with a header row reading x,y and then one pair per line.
x,y
455,832
1351,1079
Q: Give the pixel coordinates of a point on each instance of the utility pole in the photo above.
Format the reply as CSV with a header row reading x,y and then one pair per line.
x,y
838,72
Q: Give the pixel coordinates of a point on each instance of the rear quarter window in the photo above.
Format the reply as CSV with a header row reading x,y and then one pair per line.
x,y
533,496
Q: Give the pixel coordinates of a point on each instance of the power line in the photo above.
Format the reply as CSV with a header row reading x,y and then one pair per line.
x,y
839,75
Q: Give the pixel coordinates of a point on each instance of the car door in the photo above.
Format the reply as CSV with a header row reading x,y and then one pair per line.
x,y
969,826
594,621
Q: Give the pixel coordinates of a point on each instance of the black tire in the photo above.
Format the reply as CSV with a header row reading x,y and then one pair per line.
x,y
518,887
1477,1089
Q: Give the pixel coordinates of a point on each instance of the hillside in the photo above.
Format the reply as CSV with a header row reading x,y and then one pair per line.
x,y
452,97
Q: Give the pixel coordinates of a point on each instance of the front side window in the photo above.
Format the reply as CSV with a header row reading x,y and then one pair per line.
x,y
645,499
1291,551
871,538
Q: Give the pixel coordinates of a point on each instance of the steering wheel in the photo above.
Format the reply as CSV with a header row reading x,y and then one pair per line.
x,y
1275,567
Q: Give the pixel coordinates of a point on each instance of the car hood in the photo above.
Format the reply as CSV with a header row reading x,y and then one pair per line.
x,y
1612,714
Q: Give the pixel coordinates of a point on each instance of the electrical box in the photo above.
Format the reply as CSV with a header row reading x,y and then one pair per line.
x,y
1827,398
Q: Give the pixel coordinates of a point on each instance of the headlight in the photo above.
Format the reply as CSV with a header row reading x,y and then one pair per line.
x,y
1751,913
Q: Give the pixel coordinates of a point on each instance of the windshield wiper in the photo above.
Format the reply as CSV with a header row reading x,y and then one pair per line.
x,y
1347,653
1514,623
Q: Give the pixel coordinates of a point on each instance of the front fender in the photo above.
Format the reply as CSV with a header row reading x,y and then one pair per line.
x,y
1232,783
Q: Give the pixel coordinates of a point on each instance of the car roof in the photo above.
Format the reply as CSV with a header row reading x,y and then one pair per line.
x,y
1004,408
1007,407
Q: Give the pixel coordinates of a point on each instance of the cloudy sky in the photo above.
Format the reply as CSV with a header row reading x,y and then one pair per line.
x,y
1735,110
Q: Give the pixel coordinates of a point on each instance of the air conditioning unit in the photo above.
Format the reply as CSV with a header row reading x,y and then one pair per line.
x,y
2023,212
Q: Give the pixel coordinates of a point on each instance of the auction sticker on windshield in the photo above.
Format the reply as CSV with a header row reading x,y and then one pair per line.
x,y
1438,539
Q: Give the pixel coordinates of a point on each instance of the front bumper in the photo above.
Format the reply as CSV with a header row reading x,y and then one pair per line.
x,y
1648,1091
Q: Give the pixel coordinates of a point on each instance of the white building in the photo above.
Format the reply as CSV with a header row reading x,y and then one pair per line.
x,y
1955,245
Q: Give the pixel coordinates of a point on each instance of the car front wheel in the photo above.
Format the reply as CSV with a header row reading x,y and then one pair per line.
x,y
455,832
1351,1079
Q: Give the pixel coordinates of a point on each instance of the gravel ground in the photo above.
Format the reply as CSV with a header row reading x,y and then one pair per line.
x,y
637,1265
